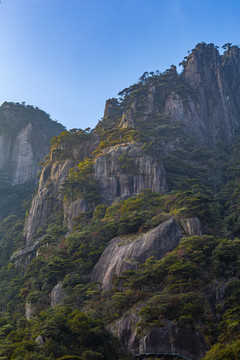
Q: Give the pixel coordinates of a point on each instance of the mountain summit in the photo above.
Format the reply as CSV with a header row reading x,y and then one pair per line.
x,y
204,97
131,244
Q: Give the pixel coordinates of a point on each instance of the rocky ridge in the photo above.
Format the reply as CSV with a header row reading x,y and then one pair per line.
x,y
112,179
205,103
204,97
205,74
25,134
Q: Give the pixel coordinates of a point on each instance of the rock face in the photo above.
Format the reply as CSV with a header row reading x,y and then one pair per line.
x,y
47,197
30,310
39,340
125,170
72,210
25,168
57,295
169,337
125,253
113,179
217,105
204,98
192,226
25,134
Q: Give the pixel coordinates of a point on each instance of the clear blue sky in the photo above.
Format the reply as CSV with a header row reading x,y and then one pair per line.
x,y
68,56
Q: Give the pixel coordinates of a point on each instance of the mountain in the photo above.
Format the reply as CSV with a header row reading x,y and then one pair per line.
x,y
131,245
25,134
24,139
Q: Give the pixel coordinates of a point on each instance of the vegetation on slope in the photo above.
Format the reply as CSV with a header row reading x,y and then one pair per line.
x,y
183,288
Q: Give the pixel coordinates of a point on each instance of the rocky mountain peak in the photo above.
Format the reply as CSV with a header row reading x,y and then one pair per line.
x,y
25,134
203,98
202,66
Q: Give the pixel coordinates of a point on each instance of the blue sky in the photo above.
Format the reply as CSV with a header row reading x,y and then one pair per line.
x,y
68,56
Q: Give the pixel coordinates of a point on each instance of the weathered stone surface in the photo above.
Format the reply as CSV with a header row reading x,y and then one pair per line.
x,y
48,196
209,106
25,135
30,310
26,251
170,337
25,167
192,226
5,144
215,293
72,210
125,253
116,182
174,338
39,340
128,118
57,295
216,109
125,329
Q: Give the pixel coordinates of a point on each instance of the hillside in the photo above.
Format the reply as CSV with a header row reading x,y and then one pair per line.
x,y
132,242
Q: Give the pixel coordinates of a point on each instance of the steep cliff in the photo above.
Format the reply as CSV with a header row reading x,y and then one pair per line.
x,y
169,338
149,199
118,172
25,134
204,97
125,170
153,114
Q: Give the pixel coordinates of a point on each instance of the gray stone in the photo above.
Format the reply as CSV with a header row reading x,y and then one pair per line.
x,y
39,340
125,253
24,143
192,226
209,109
72,210
169,337
114,182
57,295
30,310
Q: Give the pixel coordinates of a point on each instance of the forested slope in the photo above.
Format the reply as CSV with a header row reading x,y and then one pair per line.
x,y
132,241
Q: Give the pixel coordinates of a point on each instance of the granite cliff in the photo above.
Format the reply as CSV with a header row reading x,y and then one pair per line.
x,y
200,102
133,222
204,97
25,135
112,181
123,254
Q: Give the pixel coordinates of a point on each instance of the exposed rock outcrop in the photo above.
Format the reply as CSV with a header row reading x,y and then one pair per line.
x,y
25,168
47,198
30,310
125,170
25,134
125,253
114,180
39,340
204,98
218,111
57,295
72,210
192,226
170,337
